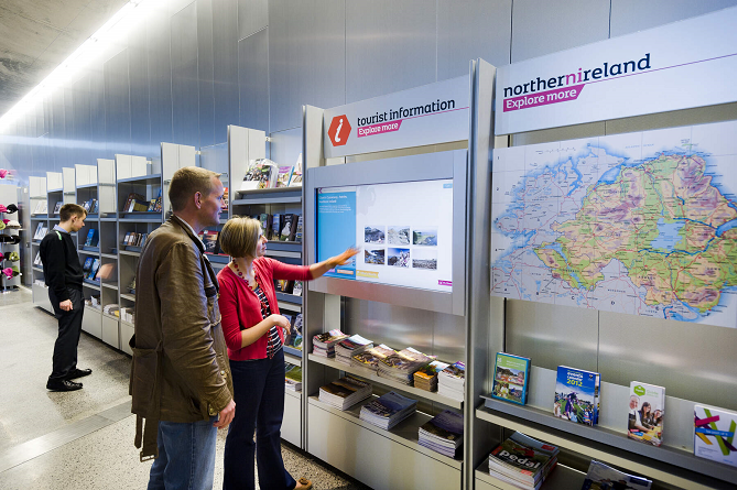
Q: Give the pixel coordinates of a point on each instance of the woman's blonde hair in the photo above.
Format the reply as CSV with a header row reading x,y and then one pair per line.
x,y
239,237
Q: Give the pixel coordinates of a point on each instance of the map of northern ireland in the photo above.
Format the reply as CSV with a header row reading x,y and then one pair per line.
x,y
640,223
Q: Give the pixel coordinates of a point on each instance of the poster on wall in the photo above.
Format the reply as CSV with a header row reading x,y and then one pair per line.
x,y
642,223
404,232
675,66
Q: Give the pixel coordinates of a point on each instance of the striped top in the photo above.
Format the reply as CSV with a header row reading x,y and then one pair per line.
x,y
274,340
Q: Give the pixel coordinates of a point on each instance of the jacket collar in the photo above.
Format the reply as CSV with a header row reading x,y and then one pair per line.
x,y
189,230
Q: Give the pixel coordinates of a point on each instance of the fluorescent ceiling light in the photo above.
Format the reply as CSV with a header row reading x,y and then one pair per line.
x,y
103,42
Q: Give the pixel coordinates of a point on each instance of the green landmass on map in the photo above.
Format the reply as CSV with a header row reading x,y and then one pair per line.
x,y
621,220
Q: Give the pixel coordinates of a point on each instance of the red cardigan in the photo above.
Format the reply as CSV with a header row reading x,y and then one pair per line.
x,y
237,300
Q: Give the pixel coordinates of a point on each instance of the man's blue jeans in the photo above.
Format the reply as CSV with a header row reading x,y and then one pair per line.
x,y
186,456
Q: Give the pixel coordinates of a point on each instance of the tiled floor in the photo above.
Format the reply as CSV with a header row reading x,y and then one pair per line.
x,y
84,439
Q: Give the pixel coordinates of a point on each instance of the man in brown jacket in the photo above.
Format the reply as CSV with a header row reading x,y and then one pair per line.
x,y
180,377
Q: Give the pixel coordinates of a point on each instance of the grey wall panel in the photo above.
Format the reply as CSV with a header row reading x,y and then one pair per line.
x,y
225,67
117,104
286,146
98,131
542,27
68,149
472,29
550,334
184,86
436,334
139,94
692,361
215,158
159,81
253,15
205,72
82,128
253,81
390,46
633,15
306,58
57,133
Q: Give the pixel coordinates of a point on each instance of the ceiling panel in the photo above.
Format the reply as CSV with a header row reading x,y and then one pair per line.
x,y
38,35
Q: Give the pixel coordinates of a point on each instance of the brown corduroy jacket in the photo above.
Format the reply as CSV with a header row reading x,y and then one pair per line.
x,y
180,370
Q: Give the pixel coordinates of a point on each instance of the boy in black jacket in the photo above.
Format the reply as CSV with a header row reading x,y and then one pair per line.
x,y
63,275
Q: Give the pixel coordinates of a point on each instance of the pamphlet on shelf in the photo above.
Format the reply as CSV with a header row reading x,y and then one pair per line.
x,y
577,395
347,348
274,232
370,358
292,377
443,434
601,476
646,413
324,344
523,461
345,392
452,381
714,434
401,366
388,410
511,377
426,378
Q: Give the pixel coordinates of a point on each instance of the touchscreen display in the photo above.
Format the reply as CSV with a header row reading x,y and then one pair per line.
x,y
404,232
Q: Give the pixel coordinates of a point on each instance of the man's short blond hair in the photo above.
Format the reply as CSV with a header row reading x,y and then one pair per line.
x,y
69,210
186,182
239,237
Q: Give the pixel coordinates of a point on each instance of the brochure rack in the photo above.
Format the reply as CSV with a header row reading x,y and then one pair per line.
x,y
600,340
394,459
38,201
244,146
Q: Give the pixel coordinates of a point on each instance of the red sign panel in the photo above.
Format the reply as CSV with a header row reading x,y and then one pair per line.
x,y
339,130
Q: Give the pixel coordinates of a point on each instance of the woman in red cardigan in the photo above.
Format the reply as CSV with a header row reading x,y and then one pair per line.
x,y
254,331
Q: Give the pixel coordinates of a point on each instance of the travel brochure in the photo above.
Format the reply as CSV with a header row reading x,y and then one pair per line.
x,y
577,395
511,374
647,411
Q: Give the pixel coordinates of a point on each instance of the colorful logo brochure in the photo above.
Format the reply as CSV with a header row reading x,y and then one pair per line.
x,y
510,378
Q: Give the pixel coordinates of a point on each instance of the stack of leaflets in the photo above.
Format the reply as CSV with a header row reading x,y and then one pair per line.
x,y
511,374
522,461
401,366
577,395
323,344
292,377
370,358
347,348
426,378
647,410
345,392
601,476
714,431
452,381
443,434
388,410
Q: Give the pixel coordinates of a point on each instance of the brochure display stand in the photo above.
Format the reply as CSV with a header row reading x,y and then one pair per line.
x,y
540,291
245,146
43,220
39,221
373,169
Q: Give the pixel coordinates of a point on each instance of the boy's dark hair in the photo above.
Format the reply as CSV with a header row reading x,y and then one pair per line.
x,y
68,210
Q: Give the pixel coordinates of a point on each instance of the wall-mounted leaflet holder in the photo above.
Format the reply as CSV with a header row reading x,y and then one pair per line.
x,y
407,218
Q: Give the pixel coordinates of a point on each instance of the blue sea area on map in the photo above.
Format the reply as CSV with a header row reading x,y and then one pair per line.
x,y
726,226
667,235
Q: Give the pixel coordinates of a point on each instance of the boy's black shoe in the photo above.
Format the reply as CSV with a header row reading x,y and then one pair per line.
x,y
63,385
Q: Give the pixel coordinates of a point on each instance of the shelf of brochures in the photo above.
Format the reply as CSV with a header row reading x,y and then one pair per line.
x,y
129,297
406,432
276,195
89,252
147,219
291,358
373,377
42,217
293,351
142,179
562,477
92,285
664,463
289,298
110,286
129,253
111,317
